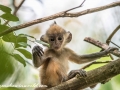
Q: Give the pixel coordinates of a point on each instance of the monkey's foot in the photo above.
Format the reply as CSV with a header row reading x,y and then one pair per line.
x,y
73,73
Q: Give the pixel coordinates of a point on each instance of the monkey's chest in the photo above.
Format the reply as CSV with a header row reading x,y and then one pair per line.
x,y
55,72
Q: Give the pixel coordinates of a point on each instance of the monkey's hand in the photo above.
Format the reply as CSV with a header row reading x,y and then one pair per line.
x,y
37,50
37,53
111,49
73,73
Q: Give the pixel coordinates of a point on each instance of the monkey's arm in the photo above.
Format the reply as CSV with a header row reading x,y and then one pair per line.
x,y
88,57
83,59
38,56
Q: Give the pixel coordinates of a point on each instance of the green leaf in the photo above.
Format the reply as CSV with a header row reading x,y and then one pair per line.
x,y
6,65
20,39
3,27
9,17
25,35
5,9
9,37
24,44
20,59
43,43
26,53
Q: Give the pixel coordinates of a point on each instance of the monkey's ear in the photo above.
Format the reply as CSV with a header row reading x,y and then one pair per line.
x,y
69,36
44,38
53,23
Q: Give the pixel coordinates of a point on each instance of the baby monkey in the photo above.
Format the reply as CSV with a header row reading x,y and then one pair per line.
x,y
54,60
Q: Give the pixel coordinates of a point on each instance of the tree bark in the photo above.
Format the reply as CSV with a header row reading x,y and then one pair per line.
x,y
93,77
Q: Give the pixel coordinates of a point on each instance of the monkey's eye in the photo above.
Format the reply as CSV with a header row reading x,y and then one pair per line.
x,y
52,39
59,38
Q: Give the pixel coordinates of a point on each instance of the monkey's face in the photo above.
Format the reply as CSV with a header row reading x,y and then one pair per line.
x,y
56,37
56,41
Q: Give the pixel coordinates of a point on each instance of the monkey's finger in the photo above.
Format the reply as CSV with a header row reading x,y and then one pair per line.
x,y
38,53
40,50
111,49
82,73
71,75
41,54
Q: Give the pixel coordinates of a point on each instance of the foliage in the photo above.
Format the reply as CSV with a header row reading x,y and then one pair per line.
x,y
19,42
13,47
7,14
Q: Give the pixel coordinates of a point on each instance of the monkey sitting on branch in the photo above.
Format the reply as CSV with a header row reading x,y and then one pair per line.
x,y
54,60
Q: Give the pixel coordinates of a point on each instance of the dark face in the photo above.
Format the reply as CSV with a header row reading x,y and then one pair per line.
x,y
55,41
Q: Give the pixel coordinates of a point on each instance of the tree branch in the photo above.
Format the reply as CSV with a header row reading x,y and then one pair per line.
x,y
18,7
93,77
58,15
112,34
101,45
95,62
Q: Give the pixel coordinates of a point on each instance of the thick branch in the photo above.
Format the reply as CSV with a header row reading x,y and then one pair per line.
x,y
58,15
93,77
101,45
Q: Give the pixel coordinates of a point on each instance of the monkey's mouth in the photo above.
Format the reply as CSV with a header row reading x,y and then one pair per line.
x,y
56,47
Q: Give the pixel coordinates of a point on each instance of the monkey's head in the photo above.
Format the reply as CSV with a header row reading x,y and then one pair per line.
x,y
56,37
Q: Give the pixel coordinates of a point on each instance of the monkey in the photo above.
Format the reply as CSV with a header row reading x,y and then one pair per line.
x,y
54,59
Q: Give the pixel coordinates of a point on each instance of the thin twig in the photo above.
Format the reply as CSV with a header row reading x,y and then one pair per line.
x,y
94,62
112,34
6,22
115,44
58,15
111,56
75,7
16,9
13,3
110,37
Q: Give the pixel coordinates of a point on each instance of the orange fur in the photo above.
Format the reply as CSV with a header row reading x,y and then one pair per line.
x,y
52,72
